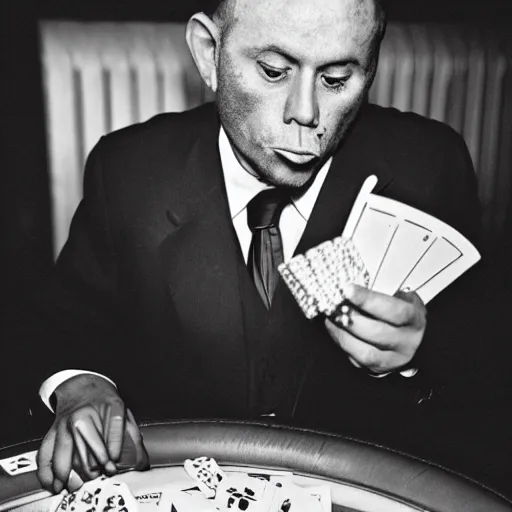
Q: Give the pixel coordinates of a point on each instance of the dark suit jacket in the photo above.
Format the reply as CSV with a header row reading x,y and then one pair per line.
x,y
147,289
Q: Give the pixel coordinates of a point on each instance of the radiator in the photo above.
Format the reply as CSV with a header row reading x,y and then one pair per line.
x,y
100,77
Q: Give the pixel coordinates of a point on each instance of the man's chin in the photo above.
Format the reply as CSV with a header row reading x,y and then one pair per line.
x,y
290,178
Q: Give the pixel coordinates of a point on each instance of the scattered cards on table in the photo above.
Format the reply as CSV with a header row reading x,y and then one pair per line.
x,y
101,494
19,464
209,489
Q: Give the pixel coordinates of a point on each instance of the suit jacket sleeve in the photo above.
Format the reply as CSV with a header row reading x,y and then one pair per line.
x,y
74,320
451,352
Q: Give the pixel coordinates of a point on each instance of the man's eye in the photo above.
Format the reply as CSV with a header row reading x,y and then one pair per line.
x,y
334,82
273,74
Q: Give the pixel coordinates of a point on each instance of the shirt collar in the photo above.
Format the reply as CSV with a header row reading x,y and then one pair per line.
x,y
241,186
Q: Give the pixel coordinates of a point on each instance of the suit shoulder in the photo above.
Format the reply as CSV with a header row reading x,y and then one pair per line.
x,y
173,133
410,130
431,165
410,141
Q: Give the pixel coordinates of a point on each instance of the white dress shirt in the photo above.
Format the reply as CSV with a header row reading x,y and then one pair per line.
x,y
241,187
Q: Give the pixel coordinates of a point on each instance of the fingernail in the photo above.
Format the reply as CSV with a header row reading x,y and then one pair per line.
x,y
110,467
57,486
74,481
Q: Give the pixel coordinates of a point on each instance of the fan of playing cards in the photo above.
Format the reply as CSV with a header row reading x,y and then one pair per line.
x,y
386,246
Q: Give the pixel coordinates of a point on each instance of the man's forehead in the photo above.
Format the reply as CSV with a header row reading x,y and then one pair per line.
x,y
312,23
356,10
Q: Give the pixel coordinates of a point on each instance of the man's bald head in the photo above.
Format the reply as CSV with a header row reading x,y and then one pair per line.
x,y
289,78
225,15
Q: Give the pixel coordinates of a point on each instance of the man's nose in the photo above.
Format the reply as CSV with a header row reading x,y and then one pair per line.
x,y
302,103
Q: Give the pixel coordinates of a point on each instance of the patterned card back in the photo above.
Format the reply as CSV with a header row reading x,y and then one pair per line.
x,y
318,277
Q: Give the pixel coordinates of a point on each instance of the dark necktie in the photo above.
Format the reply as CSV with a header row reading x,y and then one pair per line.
x,y
266,250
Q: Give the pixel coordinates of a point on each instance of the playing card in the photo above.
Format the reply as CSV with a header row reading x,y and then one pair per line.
x,y
359,206
275,477
372,237
149,501
293,498
84,499
317,278
115,497
409,244
247,494
179,501
20,464
322,493
405,248
207,474
441,265
99,495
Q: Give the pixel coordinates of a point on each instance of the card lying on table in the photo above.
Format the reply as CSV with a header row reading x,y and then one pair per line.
x,y
386,246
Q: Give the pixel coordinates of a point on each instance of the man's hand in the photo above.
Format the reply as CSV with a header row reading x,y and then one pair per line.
x,y
382,333
87,434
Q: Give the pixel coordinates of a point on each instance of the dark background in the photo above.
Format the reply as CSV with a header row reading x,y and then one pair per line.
x,y
25,226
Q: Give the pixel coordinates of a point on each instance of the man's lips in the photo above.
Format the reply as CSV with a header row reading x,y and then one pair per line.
x,y
297,156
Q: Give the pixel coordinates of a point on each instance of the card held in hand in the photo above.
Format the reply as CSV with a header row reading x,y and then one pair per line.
x,y
317,278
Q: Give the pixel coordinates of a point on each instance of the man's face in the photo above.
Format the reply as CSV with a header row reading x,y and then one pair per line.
x,y
292,75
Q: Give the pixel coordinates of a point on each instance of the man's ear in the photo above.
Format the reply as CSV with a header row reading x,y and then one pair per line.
x,y
203,38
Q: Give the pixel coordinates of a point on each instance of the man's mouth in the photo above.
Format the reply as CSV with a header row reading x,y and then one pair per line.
x,y
297,156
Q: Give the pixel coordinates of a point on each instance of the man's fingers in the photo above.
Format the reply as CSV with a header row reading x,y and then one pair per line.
x,y
77,476
75,481
133,430
114,425
377,333
44,460
393,310
87,437
93,462
62,457
359,352
85,471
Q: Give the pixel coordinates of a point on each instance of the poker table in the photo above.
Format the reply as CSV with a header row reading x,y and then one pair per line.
x,y
362,477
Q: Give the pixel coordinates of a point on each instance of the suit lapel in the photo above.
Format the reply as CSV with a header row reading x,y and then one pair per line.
x,y
203,264
201,260
359,156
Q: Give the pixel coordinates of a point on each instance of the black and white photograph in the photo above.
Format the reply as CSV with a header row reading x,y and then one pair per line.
x,y
256,255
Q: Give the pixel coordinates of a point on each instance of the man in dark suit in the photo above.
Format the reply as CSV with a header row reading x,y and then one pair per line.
x,y
152,289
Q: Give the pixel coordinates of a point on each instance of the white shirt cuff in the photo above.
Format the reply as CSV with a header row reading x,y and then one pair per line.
x,y
49,386
410,372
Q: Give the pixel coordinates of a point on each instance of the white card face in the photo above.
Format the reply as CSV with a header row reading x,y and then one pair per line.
x,y
359,206
150,501
441,255
323,494
19,464
410,242
403,247
185,502
372,237
442,264
244,493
